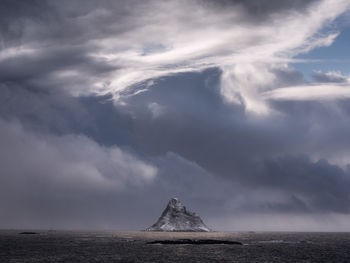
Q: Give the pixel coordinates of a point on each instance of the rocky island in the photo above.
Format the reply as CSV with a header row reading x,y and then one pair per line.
x,y
176,218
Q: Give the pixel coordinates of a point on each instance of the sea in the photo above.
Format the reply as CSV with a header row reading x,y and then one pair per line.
x,y
115,246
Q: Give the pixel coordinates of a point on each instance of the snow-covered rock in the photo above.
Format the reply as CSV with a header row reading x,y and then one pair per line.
x,y
176,217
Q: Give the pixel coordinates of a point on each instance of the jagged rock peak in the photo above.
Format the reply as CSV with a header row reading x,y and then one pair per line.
x,y
176,204
176,217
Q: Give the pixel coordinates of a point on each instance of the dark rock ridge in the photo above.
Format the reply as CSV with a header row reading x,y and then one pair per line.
x,y
195,242
177,218
28,233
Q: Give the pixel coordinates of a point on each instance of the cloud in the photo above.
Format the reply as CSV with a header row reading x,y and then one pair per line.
x,y
111,47
71,181
280,161
198,145
310,92
70,161
155,109
328,86
57,181
331,77
109,108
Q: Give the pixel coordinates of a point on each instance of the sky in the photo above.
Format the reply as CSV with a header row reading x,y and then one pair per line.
x,y
240,108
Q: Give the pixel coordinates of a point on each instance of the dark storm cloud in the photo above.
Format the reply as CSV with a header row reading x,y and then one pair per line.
x,y
15,14
54,22
54,111
47,110
43,43
194,122
48,178
185,114
37,67
56,181
262,9
319,185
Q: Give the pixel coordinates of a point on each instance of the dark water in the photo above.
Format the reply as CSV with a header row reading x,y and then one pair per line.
x,y
60,246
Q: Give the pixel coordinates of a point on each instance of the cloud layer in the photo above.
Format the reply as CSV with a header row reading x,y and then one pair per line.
x,y
109,108
111,46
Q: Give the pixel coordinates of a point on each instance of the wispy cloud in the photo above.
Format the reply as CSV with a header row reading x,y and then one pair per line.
x,y
155,39
310,92
246,53
329,86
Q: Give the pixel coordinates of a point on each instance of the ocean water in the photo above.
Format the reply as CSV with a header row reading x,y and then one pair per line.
x,y
113,246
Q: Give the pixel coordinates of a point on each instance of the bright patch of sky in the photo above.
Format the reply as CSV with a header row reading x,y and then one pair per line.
x,y
335,57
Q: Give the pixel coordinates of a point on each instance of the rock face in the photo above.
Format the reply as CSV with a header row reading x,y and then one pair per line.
x,y
176,217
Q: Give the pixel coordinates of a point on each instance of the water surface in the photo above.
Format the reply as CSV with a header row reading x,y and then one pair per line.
x,y
114,246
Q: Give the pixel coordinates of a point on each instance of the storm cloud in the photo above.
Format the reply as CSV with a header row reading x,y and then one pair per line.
x,y
110,108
